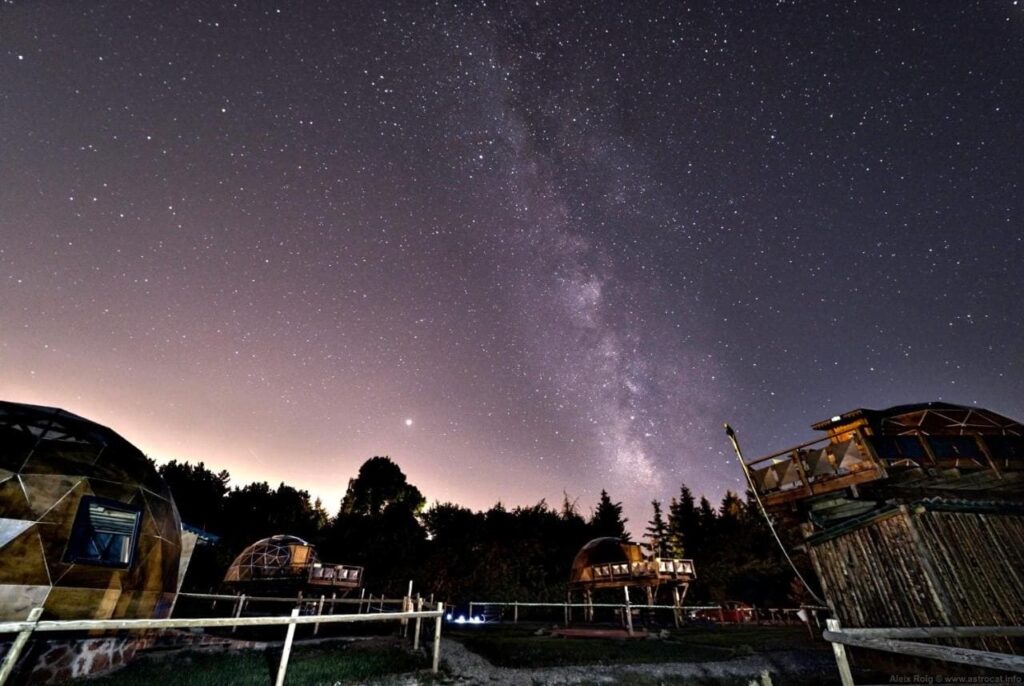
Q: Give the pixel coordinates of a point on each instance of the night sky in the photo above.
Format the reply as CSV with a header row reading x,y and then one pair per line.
x,y
521,248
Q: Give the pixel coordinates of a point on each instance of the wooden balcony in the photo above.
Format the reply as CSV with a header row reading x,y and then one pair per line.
x,y
640,573
827,464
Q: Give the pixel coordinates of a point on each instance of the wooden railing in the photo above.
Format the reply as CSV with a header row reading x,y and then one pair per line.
x,y
335,575
823,465
661,567
33,624
893,640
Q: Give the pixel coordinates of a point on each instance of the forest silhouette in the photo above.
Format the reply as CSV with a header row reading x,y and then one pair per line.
x,y
385,525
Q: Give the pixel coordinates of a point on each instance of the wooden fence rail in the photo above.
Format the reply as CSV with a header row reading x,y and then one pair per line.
x,y
26,628
756,613
891,640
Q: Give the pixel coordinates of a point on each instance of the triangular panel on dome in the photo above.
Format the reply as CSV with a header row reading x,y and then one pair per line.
x,y
14,500
120,491
10,529
45,491
22,561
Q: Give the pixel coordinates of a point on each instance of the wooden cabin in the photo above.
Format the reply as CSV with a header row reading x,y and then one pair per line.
x,y
282,565
912,515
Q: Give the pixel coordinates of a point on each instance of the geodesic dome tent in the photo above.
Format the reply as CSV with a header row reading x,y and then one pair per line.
x,y
612,563
289,563
277,557
601,557
88,529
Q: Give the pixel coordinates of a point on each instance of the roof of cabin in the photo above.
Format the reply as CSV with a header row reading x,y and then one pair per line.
x,y
49,440
929,417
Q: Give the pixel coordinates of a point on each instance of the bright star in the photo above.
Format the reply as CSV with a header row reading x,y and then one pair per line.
x,y
408,422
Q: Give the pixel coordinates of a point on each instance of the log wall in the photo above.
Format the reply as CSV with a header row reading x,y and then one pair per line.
x,y
920,567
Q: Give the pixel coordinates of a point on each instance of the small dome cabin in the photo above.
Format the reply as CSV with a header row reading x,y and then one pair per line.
x,y
284,564
912,515
88,529
611,563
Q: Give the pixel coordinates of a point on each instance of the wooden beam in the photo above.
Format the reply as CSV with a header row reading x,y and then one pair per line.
x,y
965,656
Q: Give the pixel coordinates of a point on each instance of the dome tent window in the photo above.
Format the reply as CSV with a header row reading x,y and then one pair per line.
x,y
104,533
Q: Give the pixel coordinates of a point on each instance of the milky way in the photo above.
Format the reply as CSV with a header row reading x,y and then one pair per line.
x,y
525,249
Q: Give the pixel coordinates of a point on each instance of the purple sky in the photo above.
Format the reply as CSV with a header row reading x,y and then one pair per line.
x,y
566,240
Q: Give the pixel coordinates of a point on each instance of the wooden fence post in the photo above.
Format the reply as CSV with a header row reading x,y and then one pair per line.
x,y
629,612
676,605
238,610
437,638
359,607
319,611
416,636
11,658
282,668
843,665
407,607
515,613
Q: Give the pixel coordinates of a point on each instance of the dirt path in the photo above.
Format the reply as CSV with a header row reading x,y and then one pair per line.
x,y
466,667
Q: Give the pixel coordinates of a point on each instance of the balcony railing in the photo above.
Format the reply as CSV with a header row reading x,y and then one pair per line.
x,y
821,466
658,567
335,575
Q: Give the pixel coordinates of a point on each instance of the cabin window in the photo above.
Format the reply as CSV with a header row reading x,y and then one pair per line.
x,y
104,533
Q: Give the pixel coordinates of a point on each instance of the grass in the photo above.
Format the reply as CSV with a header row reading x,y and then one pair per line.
x,y
346,663
518,646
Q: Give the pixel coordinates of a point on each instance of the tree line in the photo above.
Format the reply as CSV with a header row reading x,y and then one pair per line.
x,y
524,553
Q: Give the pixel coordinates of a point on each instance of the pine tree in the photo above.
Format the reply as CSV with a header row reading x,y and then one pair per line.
x,y
683,524
657,532
607,519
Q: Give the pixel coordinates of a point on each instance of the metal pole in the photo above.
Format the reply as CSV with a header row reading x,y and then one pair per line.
x,y
282,668
416,636
437,638
768,520
11,658
845,675
359,607
515,613
471,609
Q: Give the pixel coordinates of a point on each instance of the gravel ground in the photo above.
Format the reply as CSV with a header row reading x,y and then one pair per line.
x,y
465,667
